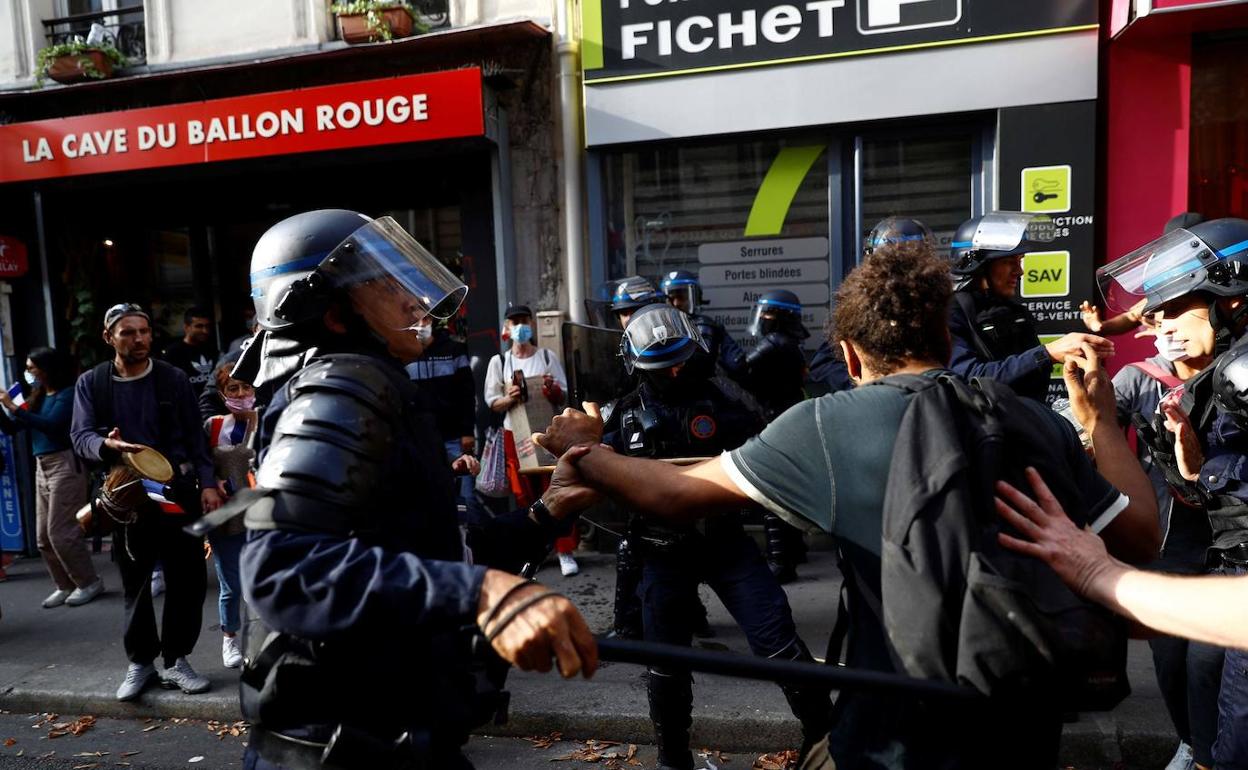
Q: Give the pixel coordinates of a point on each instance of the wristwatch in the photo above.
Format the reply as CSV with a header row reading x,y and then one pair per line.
x,y
542,515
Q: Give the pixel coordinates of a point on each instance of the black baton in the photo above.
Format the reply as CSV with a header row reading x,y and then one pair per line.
x,y
770,670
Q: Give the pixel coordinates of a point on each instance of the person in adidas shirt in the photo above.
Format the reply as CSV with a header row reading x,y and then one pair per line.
x,y
120,406
824,465
194,354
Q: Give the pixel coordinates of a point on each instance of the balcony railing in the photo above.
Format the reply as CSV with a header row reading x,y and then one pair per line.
x,y
124,29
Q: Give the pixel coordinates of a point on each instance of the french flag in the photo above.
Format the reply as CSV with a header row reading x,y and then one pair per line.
x,y
156,491
15,393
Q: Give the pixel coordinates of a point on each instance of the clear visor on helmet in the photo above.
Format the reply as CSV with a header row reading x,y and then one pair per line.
x,y
766,310
684,295
391,276
658,337
1004,230
1156,272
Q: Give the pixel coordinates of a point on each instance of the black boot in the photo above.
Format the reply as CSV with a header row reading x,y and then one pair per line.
x,y
812,705
627,579
671,710
779,557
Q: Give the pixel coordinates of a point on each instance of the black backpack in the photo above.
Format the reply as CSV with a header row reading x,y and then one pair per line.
x,y
955,604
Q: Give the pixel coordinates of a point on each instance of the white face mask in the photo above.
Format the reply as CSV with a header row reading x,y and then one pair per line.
x,y
1169,349
31,379
424,332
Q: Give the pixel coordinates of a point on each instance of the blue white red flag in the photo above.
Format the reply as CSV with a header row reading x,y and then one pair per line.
x,y
156,491
15,394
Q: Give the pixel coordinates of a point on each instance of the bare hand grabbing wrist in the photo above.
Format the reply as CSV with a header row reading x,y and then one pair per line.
x,y
570,429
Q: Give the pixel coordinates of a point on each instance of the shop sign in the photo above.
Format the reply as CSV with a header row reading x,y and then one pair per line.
x,y
746,296
1046,274
1046,189
411,108
624,39
13,261
760,273
767,249
11,537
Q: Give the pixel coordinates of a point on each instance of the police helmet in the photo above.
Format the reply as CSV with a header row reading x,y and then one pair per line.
x,y
632,293
980,240
300,264
683,285
659,337
898,230
1209,257
1230,383
778,310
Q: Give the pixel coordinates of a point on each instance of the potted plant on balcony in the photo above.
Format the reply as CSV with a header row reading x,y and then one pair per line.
x,y
370,21
76,61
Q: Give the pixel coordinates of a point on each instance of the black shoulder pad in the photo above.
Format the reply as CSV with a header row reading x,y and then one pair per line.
x,y
331,442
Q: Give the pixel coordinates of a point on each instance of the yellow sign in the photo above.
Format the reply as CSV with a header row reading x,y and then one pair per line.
x,y
1046,274
1046,189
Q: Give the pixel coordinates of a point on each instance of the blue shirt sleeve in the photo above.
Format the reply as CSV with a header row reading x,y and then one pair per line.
x,y
731,355
87,441
829,370
53,418
322,587
967,363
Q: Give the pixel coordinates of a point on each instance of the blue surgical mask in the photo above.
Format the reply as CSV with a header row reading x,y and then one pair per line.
x,y
522,333
31,379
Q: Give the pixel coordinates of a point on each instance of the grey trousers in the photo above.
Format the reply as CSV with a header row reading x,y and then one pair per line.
x,y
60,490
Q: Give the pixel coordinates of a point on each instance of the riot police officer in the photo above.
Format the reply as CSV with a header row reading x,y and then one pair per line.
x,y
1201,443
684,292
994,335
777,368
632,294
361,649
677,411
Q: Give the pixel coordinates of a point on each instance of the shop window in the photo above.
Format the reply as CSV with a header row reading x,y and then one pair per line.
x,y
705,208
923,178
1219,136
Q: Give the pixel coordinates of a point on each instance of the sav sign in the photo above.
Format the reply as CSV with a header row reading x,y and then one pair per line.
x,y
412,108
646,38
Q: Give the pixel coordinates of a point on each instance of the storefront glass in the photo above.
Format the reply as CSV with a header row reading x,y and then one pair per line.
x,y
751,216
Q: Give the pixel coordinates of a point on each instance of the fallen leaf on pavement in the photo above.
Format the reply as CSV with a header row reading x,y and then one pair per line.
x,y
130,753
780,760
87,766
195,759
544,741
10,741
149,728
92,754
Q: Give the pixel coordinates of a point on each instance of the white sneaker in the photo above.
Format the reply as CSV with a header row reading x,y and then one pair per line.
x,y
138,677
568,565
180,676
56,598
1183,759
81,596
231,653
158,584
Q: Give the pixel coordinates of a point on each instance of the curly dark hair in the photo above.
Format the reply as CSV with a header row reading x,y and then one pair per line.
x,y
894,307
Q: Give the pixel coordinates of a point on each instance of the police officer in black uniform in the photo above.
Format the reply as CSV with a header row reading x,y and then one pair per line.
x,y
684,292
777,368
372,643
1210,424
994,335
678,412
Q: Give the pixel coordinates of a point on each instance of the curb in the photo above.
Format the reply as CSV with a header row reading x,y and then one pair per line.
x,y
1095,741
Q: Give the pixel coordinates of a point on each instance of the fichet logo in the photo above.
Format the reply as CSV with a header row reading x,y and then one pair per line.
x,y
879,16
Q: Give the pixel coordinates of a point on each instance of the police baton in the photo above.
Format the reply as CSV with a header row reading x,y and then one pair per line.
x,y
779,671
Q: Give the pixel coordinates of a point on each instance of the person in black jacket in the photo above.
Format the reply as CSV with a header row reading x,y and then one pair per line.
x,y
777,368
994,335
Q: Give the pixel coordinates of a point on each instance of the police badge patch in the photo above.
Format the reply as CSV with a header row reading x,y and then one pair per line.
x,y
702,427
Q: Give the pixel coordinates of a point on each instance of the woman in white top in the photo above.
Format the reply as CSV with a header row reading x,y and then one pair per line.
x,y
502,394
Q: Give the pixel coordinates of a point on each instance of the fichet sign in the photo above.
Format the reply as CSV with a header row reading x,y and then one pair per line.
x,y
412,108
649,38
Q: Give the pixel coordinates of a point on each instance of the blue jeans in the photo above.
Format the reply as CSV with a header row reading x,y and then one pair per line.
x,y
1230,750
225,553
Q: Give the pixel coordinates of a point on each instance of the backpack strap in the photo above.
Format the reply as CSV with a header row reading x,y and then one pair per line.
x,y
1157,373
102,396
